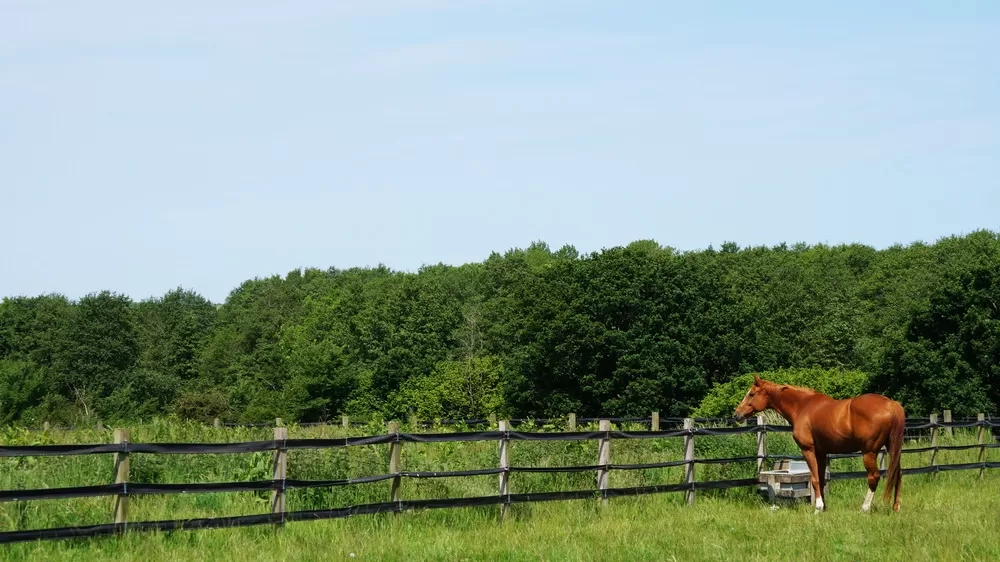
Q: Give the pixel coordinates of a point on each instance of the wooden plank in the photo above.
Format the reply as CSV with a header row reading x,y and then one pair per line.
x,y
505,466
654,421
572,422
394,449
120,508
947,419
689,457
982,435
603,458
934,440
279,472
787,478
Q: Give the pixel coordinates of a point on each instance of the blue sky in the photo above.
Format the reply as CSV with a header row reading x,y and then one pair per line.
x,y
199,144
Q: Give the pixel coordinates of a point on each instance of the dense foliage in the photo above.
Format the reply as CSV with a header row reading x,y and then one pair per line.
x,y
722,400
530,332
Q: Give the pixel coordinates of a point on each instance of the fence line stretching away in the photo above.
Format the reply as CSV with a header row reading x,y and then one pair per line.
x,y
347,422
654,421
122,489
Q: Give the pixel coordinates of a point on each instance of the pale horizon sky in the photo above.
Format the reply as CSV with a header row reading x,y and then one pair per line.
x,y
146,147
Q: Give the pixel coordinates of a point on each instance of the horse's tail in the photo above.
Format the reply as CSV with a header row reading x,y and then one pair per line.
x,y
895,446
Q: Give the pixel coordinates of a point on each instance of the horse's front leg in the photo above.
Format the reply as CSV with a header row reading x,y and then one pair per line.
x,y
816,469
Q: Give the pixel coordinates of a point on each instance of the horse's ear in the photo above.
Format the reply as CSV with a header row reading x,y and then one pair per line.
x,y
784,387
756,379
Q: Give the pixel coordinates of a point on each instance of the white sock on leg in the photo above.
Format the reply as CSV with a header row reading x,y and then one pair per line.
x,y
868,501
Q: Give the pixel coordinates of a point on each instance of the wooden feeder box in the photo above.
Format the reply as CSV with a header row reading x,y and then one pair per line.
x,y
788,480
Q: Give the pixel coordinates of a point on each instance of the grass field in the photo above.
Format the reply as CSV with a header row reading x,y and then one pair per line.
x,y
944,517
947,516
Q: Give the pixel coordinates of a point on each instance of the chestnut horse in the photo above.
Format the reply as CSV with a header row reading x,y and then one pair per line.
x,y
822,425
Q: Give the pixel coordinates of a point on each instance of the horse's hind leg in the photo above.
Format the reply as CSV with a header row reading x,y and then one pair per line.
x,y
871,466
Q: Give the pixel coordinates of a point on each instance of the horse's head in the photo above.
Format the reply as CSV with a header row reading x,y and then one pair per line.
x,y
755,401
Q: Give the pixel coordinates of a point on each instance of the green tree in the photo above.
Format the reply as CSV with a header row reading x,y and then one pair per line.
x,y
949,355
171,329
31,327
97,353
320,383
532,331
244,354
471,389
22,388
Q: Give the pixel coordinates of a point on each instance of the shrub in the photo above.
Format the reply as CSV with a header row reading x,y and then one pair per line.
x,y
722,400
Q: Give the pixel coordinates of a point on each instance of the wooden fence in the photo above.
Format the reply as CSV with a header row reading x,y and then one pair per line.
x,y
123,488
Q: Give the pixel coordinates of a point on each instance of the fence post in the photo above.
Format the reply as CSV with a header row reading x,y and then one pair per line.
x,y
277,422
689,459
603,459
947,419
278,473
934,440
654,421
345,420
982,448
217,423
45,426
100,426
394,447
493,420
505,468
572,422
120,509
761,443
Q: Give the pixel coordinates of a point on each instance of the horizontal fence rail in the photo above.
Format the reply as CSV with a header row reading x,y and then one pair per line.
x,y
281,444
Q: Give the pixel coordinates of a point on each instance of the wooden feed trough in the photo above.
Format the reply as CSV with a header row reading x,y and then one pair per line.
x,y
788,480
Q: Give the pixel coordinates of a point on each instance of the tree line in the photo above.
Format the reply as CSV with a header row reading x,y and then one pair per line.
x,y
531,332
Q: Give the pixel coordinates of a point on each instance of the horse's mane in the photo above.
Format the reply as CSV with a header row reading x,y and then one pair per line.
x,y
801,389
